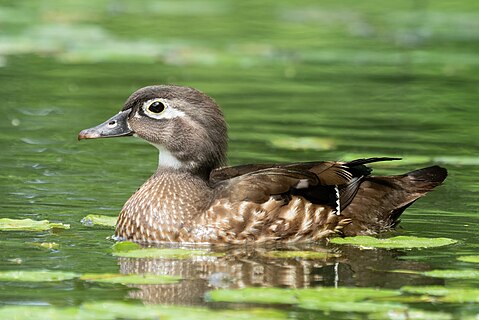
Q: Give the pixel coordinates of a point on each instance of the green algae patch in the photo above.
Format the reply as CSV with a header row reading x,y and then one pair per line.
x,y
7,224
123,310
125,246
99,220
130,278
165,253
300,254
303,143
36,276
45,245
473,259
399,242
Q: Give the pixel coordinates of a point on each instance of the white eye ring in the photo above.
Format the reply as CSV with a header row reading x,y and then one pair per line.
x,y
161,104
167,113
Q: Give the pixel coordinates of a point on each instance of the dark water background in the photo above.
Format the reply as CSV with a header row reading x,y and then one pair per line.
x,y
358,79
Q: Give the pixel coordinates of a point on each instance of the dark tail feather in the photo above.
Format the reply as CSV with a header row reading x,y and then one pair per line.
x,y
358,162
423,181
430,177
381,200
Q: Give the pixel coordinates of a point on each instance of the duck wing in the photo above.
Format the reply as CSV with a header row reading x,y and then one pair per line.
x,y
326,182
309,201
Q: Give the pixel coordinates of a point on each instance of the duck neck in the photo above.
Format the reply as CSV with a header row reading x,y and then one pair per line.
x,y
166,160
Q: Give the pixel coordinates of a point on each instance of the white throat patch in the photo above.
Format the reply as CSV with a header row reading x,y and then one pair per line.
x,y
166,159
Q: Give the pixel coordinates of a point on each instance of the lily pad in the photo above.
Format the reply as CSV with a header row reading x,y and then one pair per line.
x,y
99,220
445,273
428,290
378,302
165,253
254,295
450,295
45,245
364,306
474,259
26,312
410,314
348,299
399,242
303,143
121,310
7,224
330,299
130,278
453,274
36,276
300,254
125,246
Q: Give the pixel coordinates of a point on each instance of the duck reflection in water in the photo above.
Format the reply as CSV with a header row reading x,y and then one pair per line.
x,y
255,267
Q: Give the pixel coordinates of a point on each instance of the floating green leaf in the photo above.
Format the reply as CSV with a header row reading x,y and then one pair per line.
x,y
254,295
130,278
330,299
45,245
125,246
345,293
399,242
453,274
303,143
300,254
474,259
122,310
99,220
29,225
36,276
347,299
410,314
429,290
445,273
364,306
444,294
42,313
165,253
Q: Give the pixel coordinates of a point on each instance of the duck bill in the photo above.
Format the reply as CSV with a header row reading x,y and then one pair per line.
x,y
116,126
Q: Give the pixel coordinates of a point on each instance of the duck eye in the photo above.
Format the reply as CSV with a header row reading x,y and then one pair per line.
x,y
156,107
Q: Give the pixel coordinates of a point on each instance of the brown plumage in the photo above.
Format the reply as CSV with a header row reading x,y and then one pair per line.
x,y
191,198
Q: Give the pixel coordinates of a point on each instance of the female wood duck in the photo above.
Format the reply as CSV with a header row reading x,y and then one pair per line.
x,y
192,198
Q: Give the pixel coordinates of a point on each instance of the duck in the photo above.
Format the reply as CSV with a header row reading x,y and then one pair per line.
x,y
193,197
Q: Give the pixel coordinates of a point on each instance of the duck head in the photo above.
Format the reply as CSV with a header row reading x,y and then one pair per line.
x,y
185,125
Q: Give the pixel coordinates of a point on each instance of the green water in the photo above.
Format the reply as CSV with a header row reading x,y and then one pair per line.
x,y
368,78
